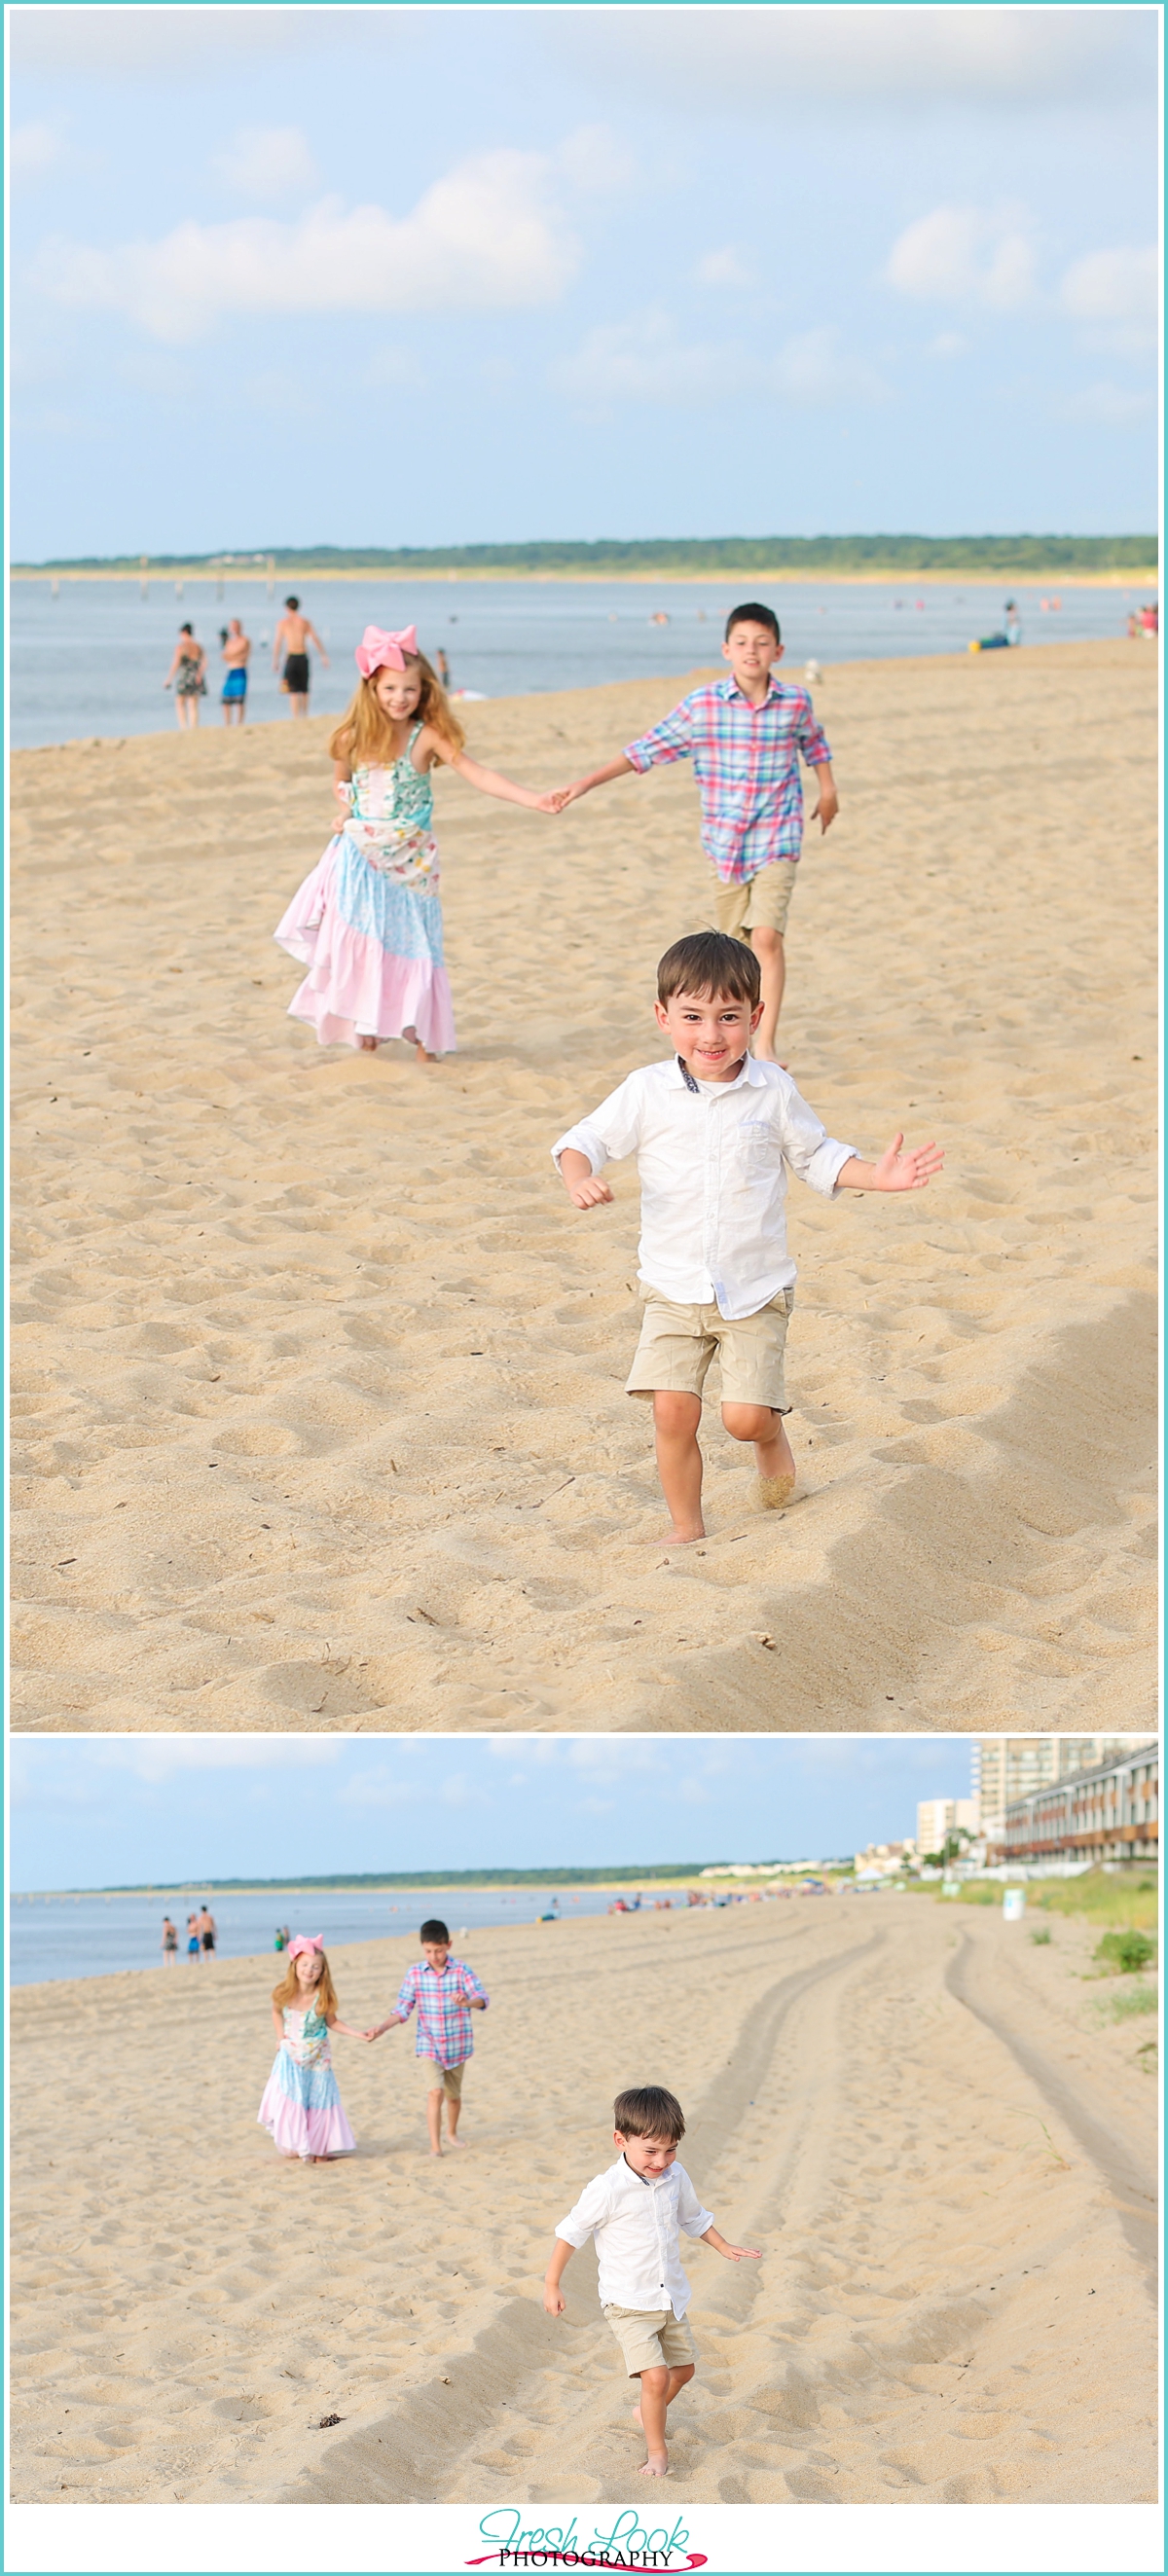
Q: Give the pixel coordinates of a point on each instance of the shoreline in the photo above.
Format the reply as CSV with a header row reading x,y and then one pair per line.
x,y
1140,575
677,681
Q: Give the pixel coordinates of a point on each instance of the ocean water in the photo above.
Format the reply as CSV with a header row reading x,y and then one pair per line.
x,y
91,661
93,1936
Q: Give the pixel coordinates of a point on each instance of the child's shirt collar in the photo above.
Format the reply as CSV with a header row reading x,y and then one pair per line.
x,y
747,1072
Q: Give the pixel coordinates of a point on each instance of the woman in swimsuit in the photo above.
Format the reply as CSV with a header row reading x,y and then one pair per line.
x,y
187,672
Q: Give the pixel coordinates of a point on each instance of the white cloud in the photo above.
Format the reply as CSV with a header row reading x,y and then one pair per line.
x,y
143,44
758,59
721,268
646,361
949,344
811,370
397,370
596,162
966,255
1112,406
487,236
269,162
1116,295
34,150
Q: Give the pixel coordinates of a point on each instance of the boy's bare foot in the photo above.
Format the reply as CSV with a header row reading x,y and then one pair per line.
x,y
774,1491
674,1537
656,2466
456,2142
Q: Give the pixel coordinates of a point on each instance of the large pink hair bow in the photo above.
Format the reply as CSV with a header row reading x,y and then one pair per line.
x,y
305,1942
378,650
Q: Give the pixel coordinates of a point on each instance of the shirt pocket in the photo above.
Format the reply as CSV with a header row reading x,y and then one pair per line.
x,y
758,1144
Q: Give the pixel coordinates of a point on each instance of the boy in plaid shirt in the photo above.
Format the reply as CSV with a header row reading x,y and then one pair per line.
x,y
445,1992
744,736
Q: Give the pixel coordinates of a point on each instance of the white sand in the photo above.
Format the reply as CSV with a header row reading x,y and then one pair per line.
x,y
320,1378
953,2304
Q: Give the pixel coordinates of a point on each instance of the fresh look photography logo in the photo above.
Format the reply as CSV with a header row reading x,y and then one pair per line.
x,y
629,2543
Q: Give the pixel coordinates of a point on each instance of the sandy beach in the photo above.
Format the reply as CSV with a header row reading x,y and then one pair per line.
x,y
319,1379
957,2223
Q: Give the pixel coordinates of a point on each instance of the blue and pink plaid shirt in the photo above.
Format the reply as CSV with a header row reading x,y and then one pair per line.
x,y
444,2022
746,761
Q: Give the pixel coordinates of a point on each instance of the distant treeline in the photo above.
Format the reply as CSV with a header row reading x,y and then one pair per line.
x,y
429,1878
1010,556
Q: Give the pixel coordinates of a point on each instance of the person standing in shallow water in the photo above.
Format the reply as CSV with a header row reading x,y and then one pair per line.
x,y
188,672
236,652
293,636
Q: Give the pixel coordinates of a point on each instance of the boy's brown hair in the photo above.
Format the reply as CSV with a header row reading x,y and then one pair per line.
x,y
710,966
649,2112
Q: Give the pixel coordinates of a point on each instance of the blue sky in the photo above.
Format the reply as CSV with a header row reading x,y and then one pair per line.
x,y
99,1812
444,274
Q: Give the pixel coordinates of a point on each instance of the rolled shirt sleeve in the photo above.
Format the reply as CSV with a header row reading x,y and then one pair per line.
x,y
472,1985
691,2217
590,2211
810,736
672,739
611,1132
407,1997
816,1157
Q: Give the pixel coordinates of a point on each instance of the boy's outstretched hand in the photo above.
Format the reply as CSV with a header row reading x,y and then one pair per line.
x,y
740,2253
894,1171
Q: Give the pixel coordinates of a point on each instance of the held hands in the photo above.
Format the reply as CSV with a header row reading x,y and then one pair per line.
x,y
897,1171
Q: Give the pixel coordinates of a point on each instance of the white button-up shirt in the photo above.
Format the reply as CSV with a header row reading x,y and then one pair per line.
x,y
712,1159
636,2222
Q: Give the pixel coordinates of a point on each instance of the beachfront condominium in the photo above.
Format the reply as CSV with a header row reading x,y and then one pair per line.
x,y
937,1818
1006,1767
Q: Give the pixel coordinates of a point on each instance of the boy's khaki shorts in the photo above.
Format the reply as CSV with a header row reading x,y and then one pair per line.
x,y
761,902
434,2078
652,2339
678,1343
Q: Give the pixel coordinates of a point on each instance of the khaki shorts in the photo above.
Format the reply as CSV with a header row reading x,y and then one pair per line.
x,y
761,902
652,2338
678,1343
440,2079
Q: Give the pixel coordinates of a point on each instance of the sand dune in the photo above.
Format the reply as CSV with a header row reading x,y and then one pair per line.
x,y
319,1379
953,2305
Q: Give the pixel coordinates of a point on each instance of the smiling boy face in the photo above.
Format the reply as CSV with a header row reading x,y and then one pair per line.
x,y
436,1954
648,2156
710,1032
751,650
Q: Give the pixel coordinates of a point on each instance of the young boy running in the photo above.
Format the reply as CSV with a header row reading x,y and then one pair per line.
x,y
446,1993
744,736
713,1132
635,2211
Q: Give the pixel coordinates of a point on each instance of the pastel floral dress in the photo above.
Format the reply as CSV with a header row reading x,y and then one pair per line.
x,y
302,2108
367,922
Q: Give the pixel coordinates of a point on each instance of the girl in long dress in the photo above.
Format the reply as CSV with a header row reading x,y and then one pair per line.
x,y
367,922
302,2108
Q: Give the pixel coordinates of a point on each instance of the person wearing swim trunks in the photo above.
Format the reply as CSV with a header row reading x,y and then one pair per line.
x,y
236,651
293,636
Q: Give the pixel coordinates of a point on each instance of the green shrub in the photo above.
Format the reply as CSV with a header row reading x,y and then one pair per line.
x,y
1125,1951
1040,1937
